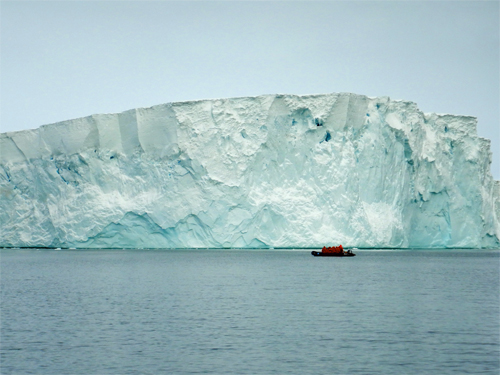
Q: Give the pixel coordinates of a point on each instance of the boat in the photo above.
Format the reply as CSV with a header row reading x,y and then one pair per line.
x,y
347,253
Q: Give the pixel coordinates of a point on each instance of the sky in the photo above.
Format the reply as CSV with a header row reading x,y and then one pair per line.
x,y
68,59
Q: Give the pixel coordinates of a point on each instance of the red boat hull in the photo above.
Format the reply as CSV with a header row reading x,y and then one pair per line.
x,y
321,254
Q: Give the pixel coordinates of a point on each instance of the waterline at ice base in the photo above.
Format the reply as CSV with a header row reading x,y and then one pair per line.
x,y
257,172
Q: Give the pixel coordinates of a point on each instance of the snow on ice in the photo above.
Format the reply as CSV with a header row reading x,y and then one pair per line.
x,y
257,172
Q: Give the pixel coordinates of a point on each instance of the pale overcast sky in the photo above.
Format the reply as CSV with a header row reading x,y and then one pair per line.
x,y
68,59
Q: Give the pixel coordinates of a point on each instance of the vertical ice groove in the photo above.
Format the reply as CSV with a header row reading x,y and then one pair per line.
x,y
266,171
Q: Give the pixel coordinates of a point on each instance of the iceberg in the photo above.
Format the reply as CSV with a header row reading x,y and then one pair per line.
x,y
272,171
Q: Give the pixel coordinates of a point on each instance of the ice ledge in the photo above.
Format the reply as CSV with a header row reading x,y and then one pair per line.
x,y
273,171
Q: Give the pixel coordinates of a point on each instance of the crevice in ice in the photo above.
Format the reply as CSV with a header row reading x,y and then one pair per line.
x,y
62,178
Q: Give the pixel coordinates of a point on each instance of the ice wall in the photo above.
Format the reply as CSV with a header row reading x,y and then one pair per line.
x,y
267,171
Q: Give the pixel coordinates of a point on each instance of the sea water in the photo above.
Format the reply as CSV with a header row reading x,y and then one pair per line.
x,y
249,312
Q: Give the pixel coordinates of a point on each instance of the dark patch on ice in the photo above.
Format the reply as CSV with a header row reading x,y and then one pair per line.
x,y
407,149
62,178
318,122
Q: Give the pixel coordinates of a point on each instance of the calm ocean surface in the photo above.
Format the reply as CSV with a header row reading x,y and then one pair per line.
x,y
249,312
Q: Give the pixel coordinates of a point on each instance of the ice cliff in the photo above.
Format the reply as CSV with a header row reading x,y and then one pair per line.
x,y
266,171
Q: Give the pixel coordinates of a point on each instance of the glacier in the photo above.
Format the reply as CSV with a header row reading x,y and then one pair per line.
x,y
272,171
